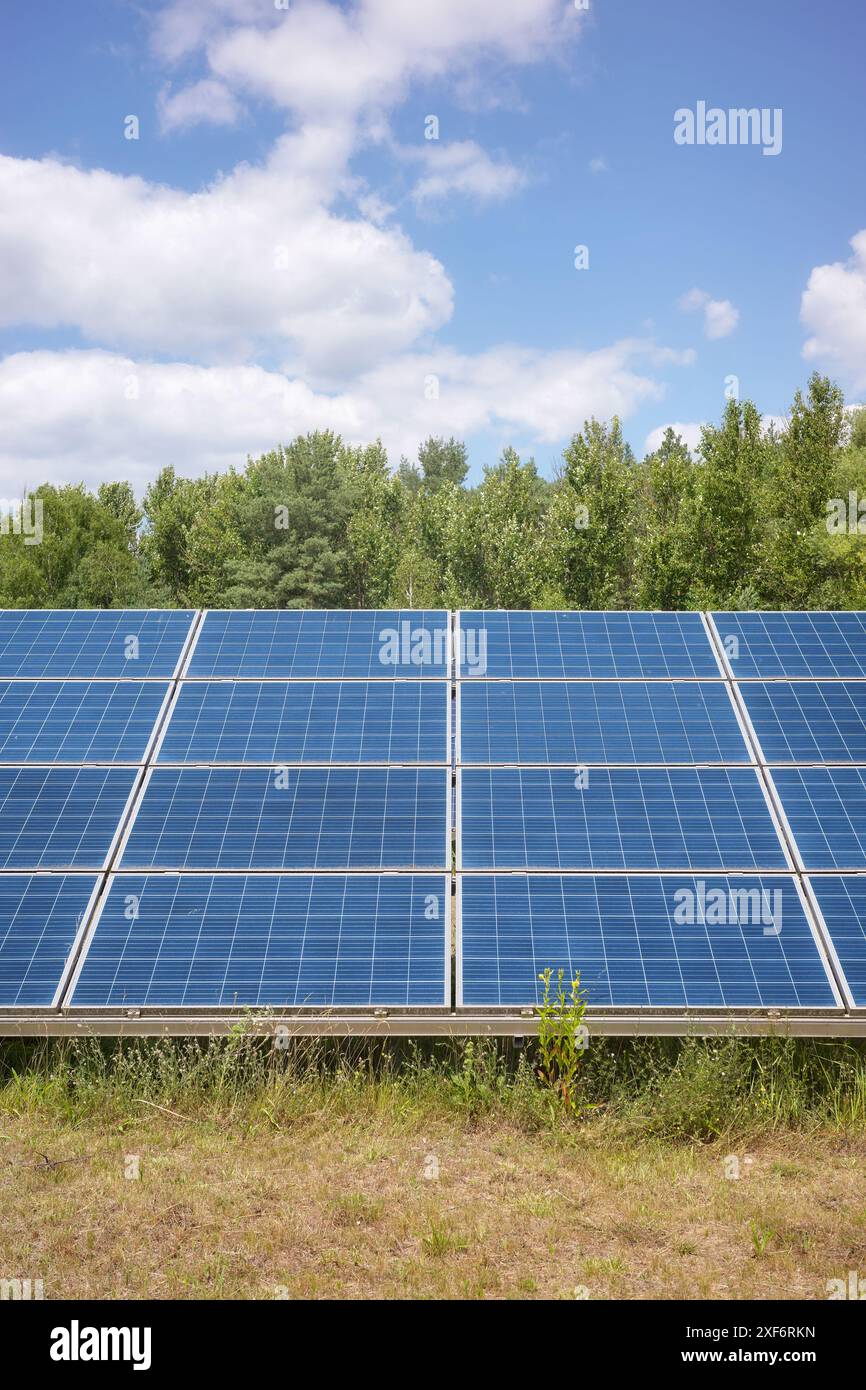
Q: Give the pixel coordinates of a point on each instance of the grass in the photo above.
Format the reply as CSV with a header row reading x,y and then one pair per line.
x,y
351,1169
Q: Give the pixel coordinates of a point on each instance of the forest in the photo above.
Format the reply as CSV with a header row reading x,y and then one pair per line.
x,y
756,517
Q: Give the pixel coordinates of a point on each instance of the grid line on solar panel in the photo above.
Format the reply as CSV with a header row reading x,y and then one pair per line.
x,y
501,644
545,818
808,721
570,722
271,722
826,810
640,941
819,645
269,941
59,818
40,917
78,721
132,644
323,644
284,818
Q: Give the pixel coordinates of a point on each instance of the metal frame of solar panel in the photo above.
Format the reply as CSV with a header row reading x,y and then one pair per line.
x,y
661,670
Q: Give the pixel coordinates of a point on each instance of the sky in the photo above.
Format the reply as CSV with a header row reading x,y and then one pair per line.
x,y
224,224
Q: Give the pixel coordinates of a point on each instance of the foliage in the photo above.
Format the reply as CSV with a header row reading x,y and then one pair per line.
x,y
562,1037
320,523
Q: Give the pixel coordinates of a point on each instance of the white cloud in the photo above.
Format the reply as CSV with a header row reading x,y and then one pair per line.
x,y
463,167
689,432
720,315
256,263
833,309
94,415
598,165
318,58
203,103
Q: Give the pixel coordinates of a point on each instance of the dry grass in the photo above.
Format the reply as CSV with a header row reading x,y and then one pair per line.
x,y
332,1205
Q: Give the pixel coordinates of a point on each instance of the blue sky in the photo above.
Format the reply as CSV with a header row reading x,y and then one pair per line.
x,y
281,248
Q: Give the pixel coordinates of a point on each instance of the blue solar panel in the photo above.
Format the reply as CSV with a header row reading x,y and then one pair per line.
x,y
624,936
39,918
307,818
269,940
808,721
589,644
309,721
598,722
794,644
826,810
60,818
115,642
334,644
681,818
77,721
843,906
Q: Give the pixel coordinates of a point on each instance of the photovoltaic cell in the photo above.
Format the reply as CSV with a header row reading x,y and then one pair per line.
x,y
309,722
826,809
60,818
795,644
622,934
269,941
39,918
584,644
808,721
306,818
130,643
77,721
842,902
623,818
598,722
316,644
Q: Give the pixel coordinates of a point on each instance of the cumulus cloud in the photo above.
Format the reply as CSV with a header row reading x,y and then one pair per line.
x,y
689,432
257,262
202,103
317,59
720,315
93,415
463,167
833,309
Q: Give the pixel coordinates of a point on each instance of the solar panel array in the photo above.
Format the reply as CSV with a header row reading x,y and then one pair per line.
x,y
273,810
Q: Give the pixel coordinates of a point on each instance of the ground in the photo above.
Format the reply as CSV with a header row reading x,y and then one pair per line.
x,y
434,1205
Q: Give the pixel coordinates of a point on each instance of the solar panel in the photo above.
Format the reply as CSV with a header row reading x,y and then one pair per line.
x,y
794,644
269,941
272,722
534,645
681,818
116,642
78,721
39,918
341,644
842,901
624,936
598,722
307,818
808,721
826,810
59,818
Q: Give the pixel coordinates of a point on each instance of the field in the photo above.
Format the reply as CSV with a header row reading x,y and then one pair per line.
x,y
227,1171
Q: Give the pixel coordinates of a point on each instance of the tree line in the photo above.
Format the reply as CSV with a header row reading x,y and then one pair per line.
x,y
754,518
